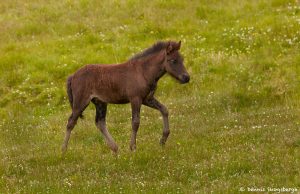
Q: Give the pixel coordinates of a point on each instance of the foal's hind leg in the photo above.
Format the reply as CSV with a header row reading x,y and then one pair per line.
x,y
101,108
71,124
76,112
153,103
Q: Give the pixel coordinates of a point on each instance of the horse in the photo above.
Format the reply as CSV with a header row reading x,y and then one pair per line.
x,y
133,81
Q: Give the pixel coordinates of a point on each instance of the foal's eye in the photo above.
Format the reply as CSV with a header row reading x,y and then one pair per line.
x,y
173,61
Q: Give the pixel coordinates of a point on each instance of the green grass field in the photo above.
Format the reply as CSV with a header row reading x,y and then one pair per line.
x,y
236,124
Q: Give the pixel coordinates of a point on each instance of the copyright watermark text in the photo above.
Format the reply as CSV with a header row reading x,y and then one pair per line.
x,y
269,189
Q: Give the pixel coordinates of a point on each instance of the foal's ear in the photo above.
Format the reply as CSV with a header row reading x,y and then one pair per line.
x,y
169,48
177,46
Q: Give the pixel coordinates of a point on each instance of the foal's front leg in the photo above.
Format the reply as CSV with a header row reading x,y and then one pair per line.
x,y
153,103
135,108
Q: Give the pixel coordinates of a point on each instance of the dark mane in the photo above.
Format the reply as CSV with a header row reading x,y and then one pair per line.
x,y
153,49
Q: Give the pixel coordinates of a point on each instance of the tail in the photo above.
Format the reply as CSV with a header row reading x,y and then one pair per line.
x,y
69,92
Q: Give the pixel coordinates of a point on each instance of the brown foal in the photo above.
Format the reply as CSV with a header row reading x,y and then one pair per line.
x,y
134,82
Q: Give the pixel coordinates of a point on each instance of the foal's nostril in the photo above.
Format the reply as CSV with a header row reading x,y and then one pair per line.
x,y
185,78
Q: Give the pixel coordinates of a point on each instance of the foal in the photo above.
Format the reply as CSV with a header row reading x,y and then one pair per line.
x,y
133,82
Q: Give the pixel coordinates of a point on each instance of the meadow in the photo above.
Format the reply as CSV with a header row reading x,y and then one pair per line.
x,y
235,126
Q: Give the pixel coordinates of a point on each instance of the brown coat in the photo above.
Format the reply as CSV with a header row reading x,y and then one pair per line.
x,y
134,81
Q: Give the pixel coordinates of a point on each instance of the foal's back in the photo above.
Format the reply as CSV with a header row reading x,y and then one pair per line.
x,y
107,83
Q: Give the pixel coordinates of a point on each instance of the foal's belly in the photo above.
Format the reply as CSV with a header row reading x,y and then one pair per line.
x,y
111,98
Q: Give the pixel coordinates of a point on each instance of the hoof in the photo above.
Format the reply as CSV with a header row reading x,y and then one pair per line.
x,y
162,142
63,150
115,149
133,147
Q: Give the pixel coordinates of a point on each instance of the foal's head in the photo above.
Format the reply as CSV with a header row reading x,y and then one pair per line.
x,y
174,63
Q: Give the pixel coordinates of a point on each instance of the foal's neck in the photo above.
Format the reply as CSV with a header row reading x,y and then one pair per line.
x,y
153,68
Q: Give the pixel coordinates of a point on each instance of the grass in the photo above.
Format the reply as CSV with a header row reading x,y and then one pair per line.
x,y
236,124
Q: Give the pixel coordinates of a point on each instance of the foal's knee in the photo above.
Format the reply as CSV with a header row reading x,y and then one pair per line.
x,y
71,123
166,133
135,122
100,124
165,111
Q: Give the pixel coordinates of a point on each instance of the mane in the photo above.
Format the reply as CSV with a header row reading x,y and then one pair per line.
x,y
151,50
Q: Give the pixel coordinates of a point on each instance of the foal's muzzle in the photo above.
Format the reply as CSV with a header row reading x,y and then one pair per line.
x,y
185,78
